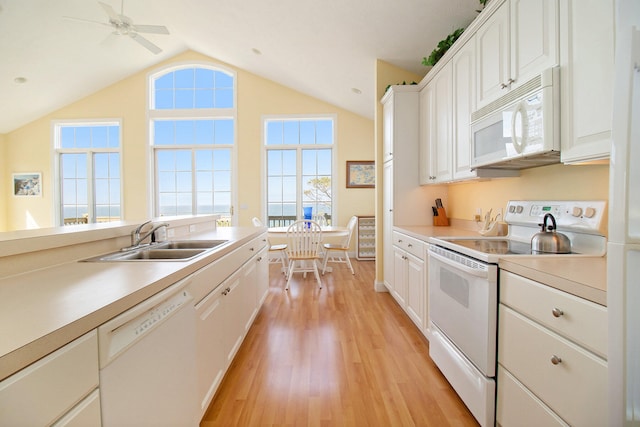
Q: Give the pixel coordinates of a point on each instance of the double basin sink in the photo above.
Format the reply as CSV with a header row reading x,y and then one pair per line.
x,y
175,250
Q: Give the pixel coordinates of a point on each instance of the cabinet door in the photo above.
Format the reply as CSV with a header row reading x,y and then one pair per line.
x,y
427,136
387,223
464,75
262,279
211,355
441,150
416,290
587,39
399,290
387,125
492,47
534,38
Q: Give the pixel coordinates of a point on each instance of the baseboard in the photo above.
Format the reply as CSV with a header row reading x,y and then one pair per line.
x,y
380,287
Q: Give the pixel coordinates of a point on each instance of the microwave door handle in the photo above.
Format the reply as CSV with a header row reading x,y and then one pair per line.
x,y
458,266
519,143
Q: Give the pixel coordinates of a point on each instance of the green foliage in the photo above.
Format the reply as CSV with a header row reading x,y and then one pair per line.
x,y
442,47
403,83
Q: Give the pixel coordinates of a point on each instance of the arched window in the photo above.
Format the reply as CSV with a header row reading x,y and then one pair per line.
x,y
192,113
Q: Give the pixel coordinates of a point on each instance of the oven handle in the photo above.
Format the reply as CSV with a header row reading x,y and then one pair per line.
x,y
472,271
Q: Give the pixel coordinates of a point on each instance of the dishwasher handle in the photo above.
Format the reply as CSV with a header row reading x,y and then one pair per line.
x,y
123,331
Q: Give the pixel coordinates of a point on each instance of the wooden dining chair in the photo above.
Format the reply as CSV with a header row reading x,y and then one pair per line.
x,y
303,241
339,252
279,249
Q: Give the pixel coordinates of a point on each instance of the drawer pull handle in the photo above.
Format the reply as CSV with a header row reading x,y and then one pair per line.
x,y
555,360
557,312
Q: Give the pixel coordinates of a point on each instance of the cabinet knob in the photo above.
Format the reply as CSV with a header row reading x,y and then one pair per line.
x,y
555,359
503,86
557,312
251,249
410,245
259,258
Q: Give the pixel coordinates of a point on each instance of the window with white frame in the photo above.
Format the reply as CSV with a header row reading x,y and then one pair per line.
x,y
192,130
87,156
299,168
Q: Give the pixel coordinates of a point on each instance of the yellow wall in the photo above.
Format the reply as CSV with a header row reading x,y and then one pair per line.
x,y
556,182
29,148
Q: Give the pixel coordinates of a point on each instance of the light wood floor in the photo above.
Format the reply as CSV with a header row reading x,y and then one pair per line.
x,y
343,355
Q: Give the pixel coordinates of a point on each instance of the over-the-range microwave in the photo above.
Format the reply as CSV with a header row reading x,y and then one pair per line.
x,y
520,129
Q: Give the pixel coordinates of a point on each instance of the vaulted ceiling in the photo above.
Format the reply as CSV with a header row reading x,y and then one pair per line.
x,y
326,49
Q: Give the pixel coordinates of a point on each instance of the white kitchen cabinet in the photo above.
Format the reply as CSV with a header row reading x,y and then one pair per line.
x,y
410,285
61,387
550,356
586,79
404,201
463,94
517,42
226,312
366,238
215,337
442,144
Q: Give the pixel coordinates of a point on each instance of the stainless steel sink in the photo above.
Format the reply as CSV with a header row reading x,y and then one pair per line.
x,y
177,250
190,244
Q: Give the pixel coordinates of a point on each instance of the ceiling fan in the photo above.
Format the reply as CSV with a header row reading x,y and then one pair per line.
x,y
122,25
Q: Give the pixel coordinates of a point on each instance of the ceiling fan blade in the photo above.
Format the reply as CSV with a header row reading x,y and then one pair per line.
x,y
113,16
151,29
146,43
88,21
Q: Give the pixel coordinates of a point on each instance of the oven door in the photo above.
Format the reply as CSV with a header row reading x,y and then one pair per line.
x,y
463,300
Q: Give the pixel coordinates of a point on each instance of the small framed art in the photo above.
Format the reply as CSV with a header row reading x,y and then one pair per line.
x,y
361,174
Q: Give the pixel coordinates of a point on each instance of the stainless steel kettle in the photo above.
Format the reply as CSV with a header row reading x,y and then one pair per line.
x,y
548,240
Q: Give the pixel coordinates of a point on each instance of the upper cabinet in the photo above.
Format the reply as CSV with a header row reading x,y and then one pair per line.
x,y
436,133
464,77
586,78
518,41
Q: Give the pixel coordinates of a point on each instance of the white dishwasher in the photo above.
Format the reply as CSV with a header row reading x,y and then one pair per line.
x,y
147,369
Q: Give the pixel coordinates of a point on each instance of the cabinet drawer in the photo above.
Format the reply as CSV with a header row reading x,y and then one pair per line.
x,y
44,391
517,406
409,244
575,388
578,320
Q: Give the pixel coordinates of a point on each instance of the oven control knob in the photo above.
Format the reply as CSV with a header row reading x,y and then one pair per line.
x,y
512,209
519,209
589,212
576,211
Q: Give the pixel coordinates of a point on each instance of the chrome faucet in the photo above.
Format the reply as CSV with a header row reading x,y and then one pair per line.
x,y
137,239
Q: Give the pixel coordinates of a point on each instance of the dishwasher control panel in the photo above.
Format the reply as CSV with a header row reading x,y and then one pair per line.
x,y
121,332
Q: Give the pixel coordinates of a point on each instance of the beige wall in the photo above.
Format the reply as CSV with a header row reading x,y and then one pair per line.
x,y
5,186
29,148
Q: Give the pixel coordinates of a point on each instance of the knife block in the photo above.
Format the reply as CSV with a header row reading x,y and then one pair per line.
x,y
441,219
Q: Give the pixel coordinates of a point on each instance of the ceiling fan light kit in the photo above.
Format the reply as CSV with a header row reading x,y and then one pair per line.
x,y
123,25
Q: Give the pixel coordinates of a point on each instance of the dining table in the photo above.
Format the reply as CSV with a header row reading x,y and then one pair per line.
x,y
279,235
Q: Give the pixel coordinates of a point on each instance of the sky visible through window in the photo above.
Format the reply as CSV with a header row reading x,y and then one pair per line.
x,y
194,156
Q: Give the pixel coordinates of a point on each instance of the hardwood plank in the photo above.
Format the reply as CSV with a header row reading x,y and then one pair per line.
x,y
343,355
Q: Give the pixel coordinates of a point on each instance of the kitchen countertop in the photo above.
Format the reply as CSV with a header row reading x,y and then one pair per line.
x,y
585,277
42,310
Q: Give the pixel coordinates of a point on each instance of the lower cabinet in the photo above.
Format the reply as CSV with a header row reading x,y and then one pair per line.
x,y
60,389
225,315
410,284
551,356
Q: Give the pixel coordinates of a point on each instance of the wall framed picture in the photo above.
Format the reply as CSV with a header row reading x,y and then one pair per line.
x,y
27,184
361,174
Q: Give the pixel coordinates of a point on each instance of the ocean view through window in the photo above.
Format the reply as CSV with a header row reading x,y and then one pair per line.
x,y
192,132
299,168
